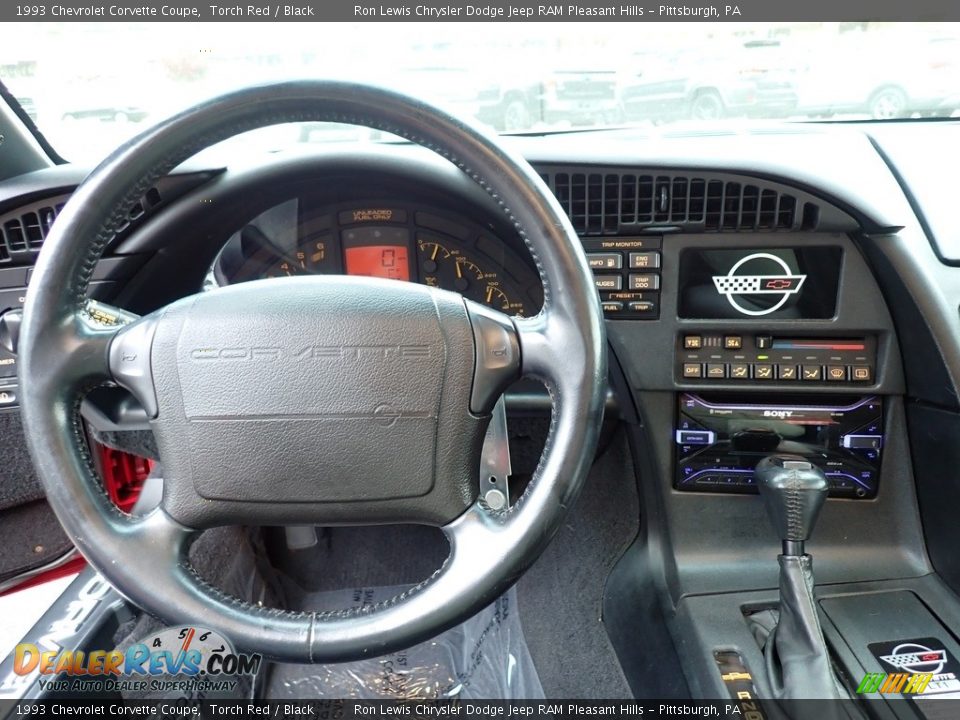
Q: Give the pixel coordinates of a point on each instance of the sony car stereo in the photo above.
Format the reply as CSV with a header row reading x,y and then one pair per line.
x,y
721,438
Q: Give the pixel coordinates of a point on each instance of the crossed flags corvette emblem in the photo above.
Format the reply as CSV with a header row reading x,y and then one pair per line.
x,y
734,284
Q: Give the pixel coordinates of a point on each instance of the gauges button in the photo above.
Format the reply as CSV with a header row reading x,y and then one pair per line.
x,y
608,282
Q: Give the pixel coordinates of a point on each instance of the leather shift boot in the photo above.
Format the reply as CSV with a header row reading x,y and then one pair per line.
x,y
798,665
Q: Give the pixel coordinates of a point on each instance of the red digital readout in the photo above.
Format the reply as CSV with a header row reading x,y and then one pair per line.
x,y
383,261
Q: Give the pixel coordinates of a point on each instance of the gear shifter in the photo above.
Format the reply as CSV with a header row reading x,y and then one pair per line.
x,y
793,491
798,664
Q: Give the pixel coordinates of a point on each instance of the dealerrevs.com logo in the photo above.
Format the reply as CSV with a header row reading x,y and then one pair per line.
x,y
186,658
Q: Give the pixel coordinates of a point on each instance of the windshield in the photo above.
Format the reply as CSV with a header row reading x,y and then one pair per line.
x,y
89,86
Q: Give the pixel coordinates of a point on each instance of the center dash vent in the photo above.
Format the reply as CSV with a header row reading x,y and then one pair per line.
x,y
607,203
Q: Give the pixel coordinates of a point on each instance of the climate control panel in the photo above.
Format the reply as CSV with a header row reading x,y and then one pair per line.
x,y
761,357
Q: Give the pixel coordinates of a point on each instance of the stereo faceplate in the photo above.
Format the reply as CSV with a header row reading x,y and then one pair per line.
x,y
721,438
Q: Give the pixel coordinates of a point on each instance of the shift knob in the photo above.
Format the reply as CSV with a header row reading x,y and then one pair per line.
x,y
793,491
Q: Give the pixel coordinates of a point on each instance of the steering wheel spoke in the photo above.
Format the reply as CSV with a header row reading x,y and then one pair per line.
x,y
75,348
128,360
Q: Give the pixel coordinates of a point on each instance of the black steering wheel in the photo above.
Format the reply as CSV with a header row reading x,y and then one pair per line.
x,y
316,400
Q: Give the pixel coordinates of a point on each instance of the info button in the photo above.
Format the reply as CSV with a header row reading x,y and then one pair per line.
x,y
605,261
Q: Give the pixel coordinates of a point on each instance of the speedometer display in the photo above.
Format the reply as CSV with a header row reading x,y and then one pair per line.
x,y
377,252
396,243
384,261
447,266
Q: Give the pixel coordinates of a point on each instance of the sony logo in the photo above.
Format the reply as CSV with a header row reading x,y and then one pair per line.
x,y
319,352
778,413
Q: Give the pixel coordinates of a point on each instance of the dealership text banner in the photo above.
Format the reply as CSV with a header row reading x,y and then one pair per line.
x,y
493,11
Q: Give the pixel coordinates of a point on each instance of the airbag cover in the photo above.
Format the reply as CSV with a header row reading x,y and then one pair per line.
x,y
310,390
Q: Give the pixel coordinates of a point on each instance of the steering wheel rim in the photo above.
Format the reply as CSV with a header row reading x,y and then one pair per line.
x,y
65,352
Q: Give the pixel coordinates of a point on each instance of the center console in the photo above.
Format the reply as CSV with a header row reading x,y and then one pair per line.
x,y
774,345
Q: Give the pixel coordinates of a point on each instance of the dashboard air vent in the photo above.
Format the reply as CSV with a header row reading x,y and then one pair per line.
x,y
23,230
618,202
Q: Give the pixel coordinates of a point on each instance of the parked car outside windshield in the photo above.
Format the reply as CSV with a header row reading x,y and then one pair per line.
x,y
92,85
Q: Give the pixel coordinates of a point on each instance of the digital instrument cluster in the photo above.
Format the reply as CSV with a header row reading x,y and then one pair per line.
x,y
384,240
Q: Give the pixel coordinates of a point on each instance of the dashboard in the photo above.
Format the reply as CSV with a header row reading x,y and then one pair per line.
x,y
768,290
744,278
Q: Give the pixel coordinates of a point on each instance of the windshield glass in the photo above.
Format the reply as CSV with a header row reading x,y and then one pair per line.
x,y
89,86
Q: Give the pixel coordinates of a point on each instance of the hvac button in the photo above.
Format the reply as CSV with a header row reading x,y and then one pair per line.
x,y
716,371
692,370
837,373
810,373
861,373
763,371
787,372
740,371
